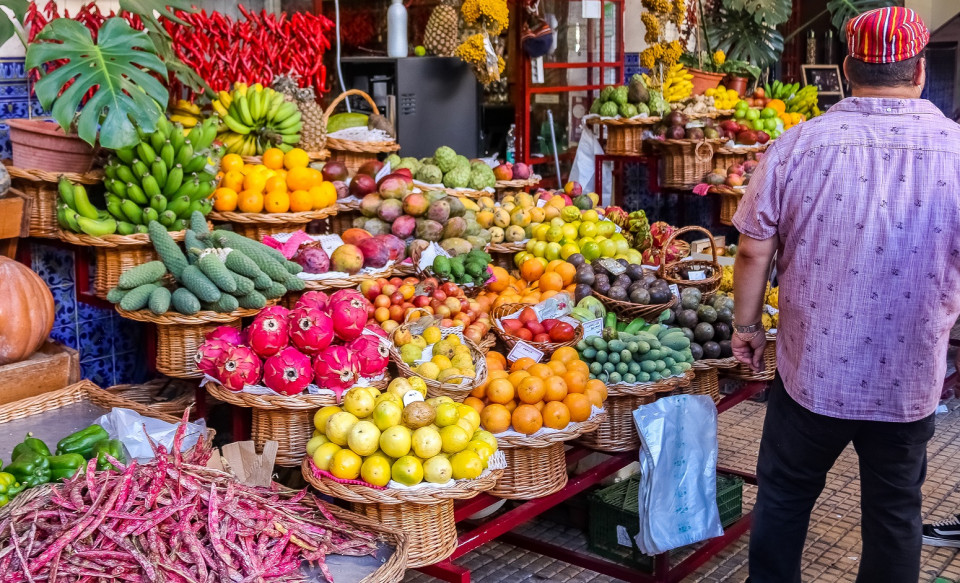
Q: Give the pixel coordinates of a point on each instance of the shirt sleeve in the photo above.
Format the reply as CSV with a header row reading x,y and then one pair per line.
x,y
758,214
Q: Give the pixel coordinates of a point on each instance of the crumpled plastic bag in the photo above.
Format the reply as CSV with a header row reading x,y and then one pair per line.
x,y
128,426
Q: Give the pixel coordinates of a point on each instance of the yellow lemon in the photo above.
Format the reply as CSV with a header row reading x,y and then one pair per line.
x,y
321,416
454,438
441,361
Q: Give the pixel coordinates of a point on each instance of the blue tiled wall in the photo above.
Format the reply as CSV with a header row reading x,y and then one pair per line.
x,y
111,348
13,99
631,66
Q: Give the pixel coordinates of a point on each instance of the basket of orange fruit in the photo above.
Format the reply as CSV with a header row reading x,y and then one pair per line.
x,y
533,409
279,195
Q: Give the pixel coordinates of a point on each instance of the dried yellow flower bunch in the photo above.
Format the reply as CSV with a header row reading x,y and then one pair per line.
x,y
493,15
659,51
473,52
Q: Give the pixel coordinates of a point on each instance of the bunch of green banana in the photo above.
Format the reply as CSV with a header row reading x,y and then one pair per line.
x,y
186,114
164,178
76,213
804,101
256,118
780,91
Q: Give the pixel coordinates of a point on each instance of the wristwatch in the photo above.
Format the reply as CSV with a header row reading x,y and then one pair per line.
x,y
747,329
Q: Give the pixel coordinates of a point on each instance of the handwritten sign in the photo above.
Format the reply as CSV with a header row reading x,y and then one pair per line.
x,y
675,289
521,350
593,328
613,266
696,275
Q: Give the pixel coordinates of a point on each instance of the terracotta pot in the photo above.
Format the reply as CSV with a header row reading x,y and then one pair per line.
x,y
42,145
738,84
703,80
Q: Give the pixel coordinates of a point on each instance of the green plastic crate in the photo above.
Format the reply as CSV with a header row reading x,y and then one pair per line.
x,y
616,508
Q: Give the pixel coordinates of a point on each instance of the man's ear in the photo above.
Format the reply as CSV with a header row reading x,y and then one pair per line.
x,y
920,73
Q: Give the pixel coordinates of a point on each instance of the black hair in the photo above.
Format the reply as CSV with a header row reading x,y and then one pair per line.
x,y
899,74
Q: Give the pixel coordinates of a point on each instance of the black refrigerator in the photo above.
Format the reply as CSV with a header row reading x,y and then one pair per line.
x,y
435,101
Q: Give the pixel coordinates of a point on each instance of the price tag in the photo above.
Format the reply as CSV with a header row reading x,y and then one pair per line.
x,y
613,266
593,328
521,350
696,275
429,254
411,396
541,203
559,305
675,289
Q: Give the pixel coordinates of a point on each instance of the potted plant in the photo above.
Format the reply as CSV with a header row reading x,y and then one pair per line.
x,y
708,69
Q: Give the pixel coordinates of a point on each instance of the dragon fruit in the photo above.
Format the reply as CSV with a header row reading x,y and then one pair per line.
x,y
651,257
278,311
335,368
349,317
288,371
346,294
269,332
228,333
314,299
311,330
617,215
371,354
238,367
376,330
211,353
660,232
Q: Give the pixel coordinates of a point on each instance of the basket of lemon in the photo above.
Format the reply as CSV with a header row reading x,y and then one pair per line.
x,y
404,465
280,195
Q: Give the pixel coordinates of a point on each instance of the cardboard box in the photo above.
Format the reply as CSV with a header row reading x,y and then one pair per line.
x,y
11,215
51,368
703,245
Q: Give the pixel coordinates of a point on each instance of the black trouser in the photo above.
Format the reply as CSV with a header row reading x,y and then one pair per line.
x,y
797,450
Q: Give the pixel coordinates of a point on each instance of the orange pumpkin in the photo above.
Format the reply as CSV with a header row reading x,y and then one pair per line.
x,y
26,312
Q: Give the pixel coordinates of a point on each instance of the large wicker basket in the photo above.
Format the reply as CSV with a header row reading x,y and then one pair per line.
x,y
671,272
706,379
353,153
629,310
685,162
165,396
258,225
625,136
41,186
724,156
547,348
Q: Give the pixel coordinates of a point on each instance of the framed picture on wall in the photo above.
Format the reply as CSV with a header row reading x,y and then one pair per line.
x,y
826,78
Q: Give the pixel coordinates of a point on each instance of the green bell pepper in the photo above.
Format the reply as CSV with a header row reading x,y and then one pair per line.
x,y
111,447
30,443
30,469
65,466
82,442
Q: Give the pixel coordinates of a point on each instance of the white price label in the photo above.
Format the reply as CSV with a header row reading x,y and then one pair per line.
x,y
541,203
675,289
613,266
536,69
593,328
411,396
521,350
696,275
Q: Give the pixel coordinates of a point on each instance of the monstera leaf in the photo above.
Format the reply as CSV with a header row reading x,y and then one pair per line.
x,y
8,25
843,10
744,39
771,12
118,68
149,11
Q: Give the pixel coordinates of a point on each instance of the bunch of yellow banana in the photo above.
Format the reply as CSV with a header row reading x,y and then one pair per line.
x,y
186,114
677,84
804,101
255,118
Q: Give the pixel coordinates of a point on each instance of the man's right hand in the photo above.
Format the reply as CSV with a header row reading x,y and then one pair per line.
x,y
750,352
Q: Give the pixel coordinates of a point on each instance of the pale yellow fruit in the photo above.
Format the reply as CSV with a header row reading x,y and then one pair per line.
x,y
466,465
321,416
389,397
339,426
398,387
396,441
346,465
316,442
419,341
359,402
448,414
482,449
428,370
387,414
451,376
437,470
407,470
470,414
486,437
376,470
441,361
454,438
410,353
462,360
426,442
432,335
364,438
324,455
418,384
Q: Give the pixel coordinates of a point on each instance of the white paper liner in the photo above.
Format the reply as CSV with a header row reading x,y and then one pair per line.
x,y
590,116
311,389
496,462
361,134
543,431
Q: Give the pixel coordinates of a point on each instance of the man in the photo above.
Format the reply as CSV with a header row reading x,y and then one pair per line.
x,y
862,208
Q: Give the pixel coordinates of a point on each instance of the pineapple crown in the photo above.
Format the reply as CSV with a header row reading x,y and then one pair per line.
x,y
288,85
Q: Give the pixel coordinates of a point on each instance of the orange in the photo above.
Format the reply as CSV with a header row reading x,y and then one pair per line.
x,y
531,389
565,354
495,361
556,415
517,376
255,181
539,405
531,270
595,399
474,402
552,266
522,364
557,367
567,271
479,391
511,406
231,162
495,418
275,183
273,158
540,370
316,177
300,201
299,179
527,419
579,406
276,202
295,158
556,389
551,281
500,391
491,375
579,366
500,280
323,195
233,180
250,201
576,381
224,199
598,386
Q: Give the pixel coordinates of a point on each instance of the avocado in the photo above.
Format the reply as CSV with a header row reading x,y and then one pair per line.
x,y
703,333
707,314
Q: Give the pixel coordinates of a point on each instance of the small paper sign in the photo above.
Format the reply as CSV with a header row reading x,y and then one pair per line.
x,y
675,289
555,307
541,203
411,396
330,243
696,276
521,350
613,266
593,328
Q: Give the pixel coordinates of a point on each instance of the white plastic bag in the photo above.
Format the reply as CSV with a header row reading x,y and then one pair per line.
x,y
584,168
128,426
678,466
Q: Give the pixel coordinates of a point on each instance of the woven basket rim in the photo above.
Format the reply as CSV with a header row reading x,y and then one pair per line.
x,y
34,175
743,150
554,437
717,363
650,389
465,387
273,218
621,122
302,402
135,240
175,319
505,247
532,181
643,309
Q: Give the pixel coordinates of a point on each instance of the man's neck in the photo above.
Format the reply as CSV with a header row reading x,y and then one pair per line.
x,y
910,92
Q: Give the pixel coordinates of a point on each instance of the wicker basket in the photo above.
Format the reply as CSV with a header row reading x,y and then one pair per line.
x,y
547,348
729,201
165,396
671,271
651,389
510,185
685,162
706,381
41,186
744,372
286,419
343,220
506,248
618,432
629,310
355,154
724,157
256,226
625,136
179,336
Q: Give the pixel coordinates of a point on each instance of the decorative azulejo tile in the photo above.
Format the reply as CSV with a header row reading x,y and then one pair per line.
x,y
14,91
65,306
6,150
99,370
96,338
128,335
12,68
66,334
53,264
88,313
129,367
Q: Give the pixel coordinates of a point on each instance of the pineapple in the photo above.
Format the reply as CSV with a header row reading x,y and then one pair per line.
x,y
441,35
313,135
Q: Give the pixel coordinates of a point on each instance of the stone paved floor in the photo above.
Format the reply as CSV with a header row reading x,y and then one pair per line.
x,y
833,543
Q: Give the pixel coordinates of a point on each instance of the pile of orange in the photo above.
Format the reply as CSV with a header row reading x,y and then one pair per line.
x,y
539,280
529,395
283,182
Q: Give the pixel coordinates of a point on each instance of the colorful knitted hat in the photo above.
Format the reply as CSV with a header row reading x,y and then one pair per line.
x,y
886,35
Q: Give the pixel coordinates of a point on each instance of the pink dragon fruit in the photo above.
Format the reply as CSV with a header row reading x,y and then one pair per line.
x,y
314,299
211,353
346,294
278,311
311,330
238,367
377,330
371,355
335,368
288,371
349,317
660,232
617,215
228,333
269,332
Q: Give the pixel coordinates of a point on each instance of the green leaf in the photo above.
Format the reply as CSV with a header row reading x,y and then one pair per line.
x,y
744,39
150,12
118,67
771,12
843,10
8,27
